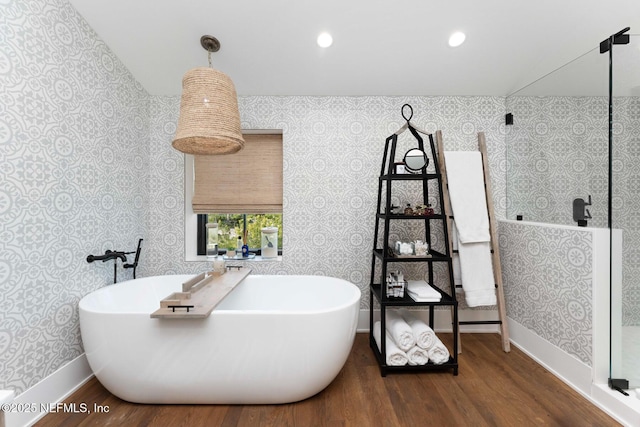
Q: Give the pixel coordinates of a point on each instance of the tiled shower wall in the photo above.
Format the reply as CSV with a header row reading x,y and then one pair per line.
x,y
557,150
626,200
548,275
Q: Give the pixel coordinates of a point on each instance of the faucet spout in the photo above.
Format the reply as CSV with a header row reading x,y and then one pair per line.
x,y
107,256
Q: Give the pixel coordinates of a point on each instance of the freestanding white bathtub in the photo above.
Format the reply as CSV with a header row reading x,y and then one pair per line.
x,y
273,339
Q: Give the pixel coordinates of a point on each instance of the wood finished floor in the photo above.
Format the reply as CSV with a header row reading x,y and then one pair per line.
x,y
493,388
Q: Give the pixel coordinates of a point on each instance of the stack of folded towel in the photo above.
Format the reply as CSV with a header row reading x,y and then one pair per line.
x,y
420,291
409,340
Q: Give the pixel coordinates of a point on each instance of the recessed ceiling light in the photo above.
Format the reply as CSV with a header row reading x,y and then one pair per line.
x,y
325,40
456,39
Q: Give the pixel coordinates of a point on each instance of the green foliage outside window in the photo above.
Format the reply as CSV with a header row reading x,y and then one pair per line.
x,y
230,226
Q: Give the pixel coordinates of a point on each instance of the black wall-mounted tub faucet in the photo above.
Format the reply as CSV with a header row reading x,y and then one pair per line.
x,y
107,256
114,255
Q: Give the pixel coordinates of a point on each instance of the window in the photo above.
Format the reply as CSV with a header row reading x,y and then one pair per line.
x,y
242,192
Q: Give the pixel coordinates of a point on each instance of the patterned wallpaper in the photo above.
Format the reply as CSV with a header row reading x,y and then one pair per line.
x,y
73,180
557,150
333,149
87,166
547,273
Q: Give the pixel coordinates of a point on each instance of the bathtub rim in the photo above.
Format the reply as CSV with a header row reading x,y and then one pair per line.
x,y
355,299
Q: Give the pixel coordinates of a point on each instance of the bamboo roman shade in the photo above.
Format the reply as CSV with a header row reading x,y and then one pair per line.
x,y
249,181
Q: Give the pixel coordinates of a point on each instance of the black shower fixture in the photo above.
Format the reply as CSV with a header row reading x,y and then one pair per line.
x,y
114,255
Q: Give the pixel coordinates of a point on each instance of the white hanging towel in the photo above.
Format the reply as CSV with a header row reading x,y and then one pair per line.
x,y
478,271
466,192
468,202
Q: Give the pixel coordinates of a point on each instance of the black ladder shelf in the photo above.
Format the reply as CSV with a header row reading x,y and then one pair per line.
x,y
383,254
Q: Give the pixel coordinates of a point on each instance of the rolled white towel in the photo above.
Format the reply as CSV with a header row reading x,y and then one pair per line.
x,y
417,356
424,335
395,356
438,354
399,330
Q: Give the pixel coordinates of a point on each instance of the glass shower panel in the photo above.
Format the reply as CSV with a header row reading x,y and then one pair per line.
x,y
625,327
557,145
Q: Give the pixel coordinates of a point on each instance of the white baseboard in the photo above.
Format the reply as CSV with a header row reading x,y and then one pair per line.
x,y
576,374
53,389
6,396
570,370
442,320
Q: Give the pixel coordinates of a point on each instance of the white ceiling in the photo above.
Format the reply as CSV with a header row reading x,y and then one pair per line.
x,y
381,47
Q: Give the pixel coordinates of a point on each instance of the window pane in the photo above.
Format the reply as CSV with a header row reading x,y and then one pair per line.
x,y
230,226
255,224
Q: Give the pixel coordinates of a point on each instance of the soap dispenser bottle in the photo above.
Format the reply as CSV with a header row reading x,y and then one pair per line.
x,y
245,247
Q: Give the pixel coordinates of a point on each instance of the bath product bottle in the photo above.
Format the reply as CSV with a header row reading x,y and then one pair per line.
x,y
269,247
239,245
245,247
212,239
429,210
408,210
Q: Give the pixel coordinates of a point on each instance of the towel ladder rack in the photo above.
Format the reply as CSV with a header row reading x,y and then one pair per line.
x,y
495,250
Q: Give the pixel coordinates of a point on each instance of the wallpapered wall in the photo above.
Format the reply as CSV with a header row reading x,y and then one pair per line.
x,y
87,166
333,149
73,180
557,150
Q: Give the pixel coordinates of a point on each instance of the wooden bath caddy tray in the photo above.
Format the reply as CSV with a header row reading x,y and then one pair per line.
x,y
200,295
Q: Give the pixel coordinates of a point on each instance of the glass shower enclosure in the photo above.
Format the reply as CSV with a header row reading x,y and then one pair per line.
x,y
625,214
573,159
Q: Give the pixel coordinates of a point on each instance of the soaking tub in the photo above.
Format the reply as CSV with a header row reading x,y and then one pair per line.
x,y
273,339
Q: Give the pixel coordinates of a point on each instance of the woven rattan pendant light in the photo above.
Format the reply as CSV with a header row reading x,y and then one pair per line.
x,y
209,121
